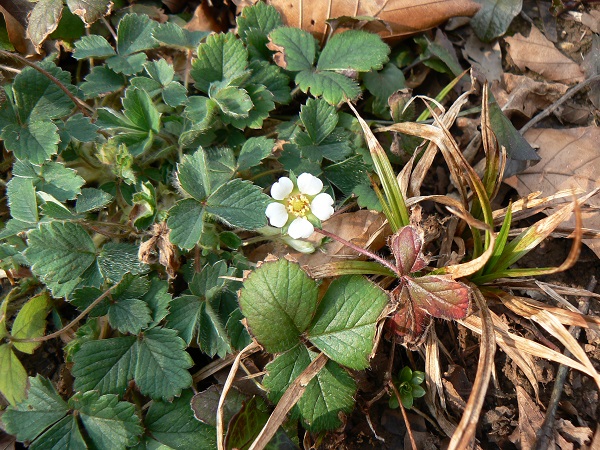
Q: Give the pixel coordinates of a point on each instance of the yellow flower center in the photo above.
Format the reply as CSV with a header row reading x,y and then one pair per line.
x,y
298,205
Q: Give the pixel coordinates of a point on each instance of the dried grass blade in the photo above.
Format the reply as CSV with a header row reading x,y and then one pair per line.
x,y
338,268
433,374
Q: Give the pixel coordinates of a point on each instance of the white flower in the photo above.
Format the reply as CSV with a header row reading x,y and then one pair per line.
x,y
296,206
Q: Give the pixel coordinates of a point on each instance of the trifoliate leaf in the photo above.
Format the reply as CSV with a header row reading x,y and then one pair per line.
x,y
354,50
36,142
90,10
186,221
93,46
172,35
278,300
22,200
319,119
222,58
384,83
43,20
13,378
327,395
31,322
296,49
234,102
239,204
92,199
60,253
135,34
254,150
81,128
332,86
173,424
127,65
101,80
271,77
42,408
263,104
346,320
108,422
140,110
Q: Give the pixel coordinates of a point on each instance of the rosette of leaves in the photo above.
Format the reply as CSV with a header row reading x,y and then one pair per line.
x,y
408,383
284,312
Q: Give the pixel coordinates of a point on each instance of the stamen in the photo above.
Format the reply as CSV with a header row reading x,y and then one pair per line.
x,y
298,205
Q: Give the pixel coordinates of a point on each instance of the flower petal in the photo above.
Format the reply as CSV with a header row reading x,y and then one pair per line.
x,y
282,188
300,228
309,184
277,214
322,206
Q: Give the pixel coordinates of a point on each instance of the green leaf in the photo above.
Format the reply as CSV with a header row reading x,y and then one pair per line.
x,y
161,369
260,16
57,180
319,119
327,395
139,108
334,87
42,408
101,80
296,48
158,299
127,65
271,77
384,83
117,259
173,424
222,58
64,434
22,200
174,94
347,174
254,150
81,128
43,20
30,323
201,111
92,199
234,102
263,104
172,35
494,17
367,198
346,320
186,221
354,50
90,10
108,422
193,175
13,378
239,203
135,34
129,315
36,142
278,300
60,253
93,46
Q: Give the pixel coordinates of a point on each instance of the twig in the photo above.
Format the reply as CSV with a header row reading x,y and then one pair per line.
x,y
544,435
85,109
550,109
408,429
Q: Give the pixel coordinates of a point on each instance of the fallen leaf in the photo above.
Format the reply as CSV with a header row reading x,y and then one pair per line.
x,y
579,435
592,20
569,160
486,59
530,421
204,20
396,17
43,21
537,53
16,31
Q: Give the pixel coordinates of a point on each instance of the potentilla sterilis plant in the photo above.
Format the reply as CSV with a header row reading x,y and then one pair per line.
x,y
299,206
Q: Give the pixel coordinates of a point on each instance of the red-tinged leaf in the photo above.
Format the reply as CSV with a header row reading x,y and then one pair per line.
x,y
409,322
439,296
406,245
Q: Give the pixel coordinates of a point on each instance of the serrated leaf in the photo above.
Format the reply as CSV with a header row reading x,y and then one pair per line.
x,y
384,83
13,378
43,20
59,181
260,16
174,94
222,58
254,150
158,299
201,112
92,199
234,102
407,247
238,335
127,65
439,296
333,87
108,422
30,322
42,408
239,204
272,78
205,404
263,103
319,119
64,434
346,319
354,50
36,142
494,17
173,424
173,35
366,197
327,395
60,253
186,221
140,110
90,10
278,300
22,200
93,46
193,175
296,49
134,34
81,128
161,369
347,174
101,80
117,259
129,315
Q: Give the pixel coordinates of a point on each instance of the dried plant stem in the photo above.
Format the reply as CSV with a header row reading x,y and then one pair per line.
x,y
404,416
544,435
550,109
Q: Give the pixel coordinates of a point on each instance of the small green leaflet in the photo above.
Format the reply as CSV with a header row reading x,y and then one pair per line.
x,y
186,221
13,377
31,322
90,10
172,35
254,150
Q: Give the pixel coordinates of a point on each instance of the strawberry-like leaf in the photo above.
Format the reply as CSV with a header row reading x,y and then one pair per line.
x,y
439,296
406,246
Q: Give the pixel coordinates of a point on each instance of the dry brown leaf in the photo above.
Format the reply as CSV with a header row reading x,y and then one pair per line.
x,y
486,59
537,53
204,20
400,17
569,160
16,33
530,421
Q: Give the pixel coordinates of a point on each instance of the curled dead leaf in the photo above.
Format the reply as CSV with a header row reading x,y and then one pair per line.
x,y
160,243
